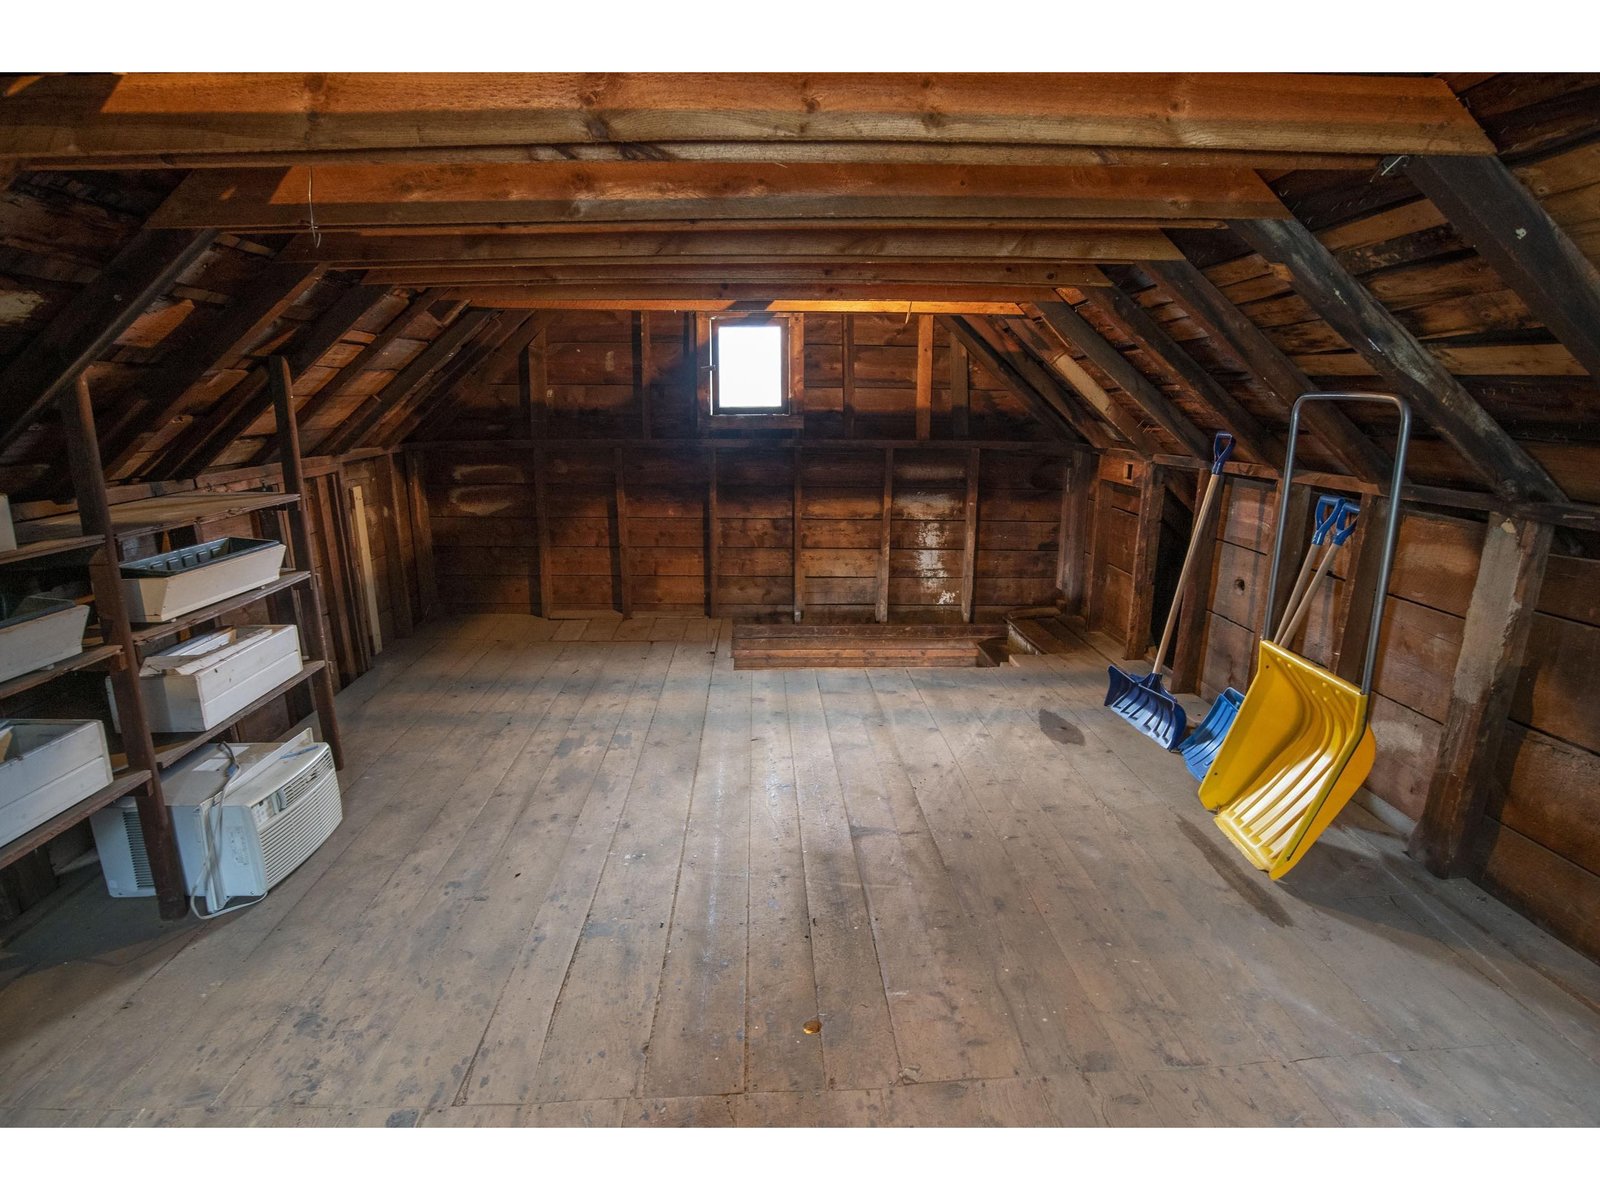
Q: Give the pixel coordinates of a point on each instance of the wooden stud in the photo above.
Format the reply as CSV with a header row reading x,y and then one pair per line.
x,y
924,379
644,372
1075,536
799,605
422,535
1296,536
969,542
397,540
1391,349
1514,234
847,359
541,516
77,416
960,389
1146,543
797,365
369,582
885,539
345,650
990,360
525,392
1188,654
701,358
538,356
713,535
624,565
92,320
294,480
1493,646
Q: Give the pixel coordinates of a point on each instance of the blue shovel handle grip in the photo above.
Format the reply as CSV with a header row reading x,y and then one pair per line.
x,y
1345,520
1328,510
1221,448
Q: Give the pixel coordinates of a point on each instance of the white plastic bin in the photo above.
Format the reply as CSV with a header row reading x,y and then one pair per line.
x,y
45,768
36,631
164,586
199,684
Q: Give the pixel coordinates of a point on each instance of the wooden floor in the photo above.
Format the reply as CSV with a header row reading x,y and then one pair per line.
x,y
590,874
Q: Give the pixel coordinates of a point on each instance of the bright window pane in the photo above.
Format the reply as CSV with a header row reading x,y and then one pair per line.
x,y
749,366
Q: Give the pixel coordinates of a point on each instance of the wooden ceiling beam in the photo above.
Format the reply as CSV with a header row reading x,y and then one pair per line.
x,y
1071,328
757,298
1015,274
1395,354
159,395
1034,404
501,194
93,319
1203,302
56,119
1489,206
711,248
430,359
206,440
1054,353
1140,328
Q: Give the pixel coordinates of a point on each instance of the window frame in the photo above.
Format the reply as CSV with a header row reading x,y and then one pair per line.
x,y
786,326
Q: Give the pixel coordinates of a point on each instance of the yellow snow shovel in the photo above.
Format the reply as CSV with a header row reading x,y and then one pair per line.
x,y
1300,746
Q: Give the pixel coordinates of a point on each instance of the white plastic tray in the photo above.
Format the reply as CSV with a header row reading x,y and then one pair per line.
x,y
45,768
162,587
199,684
40,632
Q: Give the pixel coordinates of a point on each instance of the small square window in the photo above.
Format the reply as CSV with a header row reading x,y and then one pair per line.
x,y
749,367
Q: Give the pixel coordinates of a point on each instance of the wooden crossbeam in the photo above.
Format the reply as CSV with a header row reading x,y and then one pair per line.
x,y
1203,302
93,319
457,194
1139,327
1395,354
801,298
1493,645
1052,351
789,275
1073,329
1514,234
94,118
160,395
204,441
405,383
1036,406
719,246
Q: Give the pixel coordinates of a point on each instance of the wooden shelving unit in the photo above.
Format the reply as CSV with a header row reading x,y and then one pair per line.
x,y
293,598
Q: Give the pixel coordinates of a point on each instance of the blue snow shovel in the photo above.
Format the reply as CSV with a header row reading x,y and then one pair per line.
x,y
1145,703
1200,748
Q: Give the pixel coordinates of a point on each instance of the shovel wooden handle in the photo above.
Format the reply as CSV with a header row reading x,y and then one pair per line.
x,y
1202,525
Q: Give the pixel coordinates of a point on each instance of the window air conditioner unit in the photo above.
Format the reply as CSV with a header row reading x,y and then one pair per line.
x,y
245,815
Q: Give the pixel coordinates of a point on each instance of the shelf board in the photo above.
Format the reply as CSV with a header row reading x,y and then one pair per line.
x,y
47,547
88,658
149,633
170,747
119,787
158,513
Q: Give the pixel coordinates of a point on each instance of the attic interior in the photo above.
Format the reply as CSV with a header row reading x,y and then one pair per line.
x,y
734,749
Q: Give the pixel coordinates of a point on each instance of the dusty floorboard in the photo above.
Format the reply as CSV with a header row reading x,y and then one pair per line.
x,y
591,875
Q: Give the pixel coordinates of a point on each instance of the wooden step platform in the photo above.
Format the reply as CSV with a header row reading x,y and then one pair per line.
x,y
767,646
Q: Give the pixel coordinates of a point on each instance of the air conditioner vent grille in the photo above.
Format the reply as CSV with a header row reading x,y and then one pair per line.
x,y
143,877
302,826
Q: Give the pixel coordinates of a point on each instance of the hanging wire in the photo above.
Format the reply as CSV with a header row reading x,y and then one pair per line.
x,y
311,211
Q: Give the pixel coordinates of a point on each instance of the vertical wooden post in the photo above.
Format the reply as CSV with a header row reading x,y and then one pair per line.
x,y
797,367
541,519
94,511
799,562
924,378
969,545
1297,531
397,535
1187,653
624,567
701,358
644,374
525,406
847,372
1091,575
327,525
1499,620
881,612
421,535
294,480
1146,541
1073,538
960,389
536,361
713,537
1352,612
